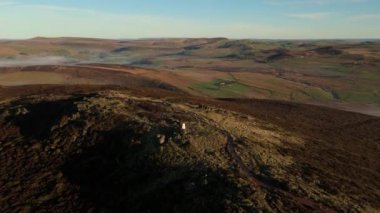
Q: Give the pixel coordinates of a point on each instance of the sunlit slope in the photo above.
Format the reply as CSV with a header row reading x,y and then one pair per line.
x,y
121,150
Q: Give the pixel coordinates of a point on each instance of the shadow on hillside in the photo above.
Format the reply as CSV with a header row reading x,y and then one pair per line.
x,y
40,117
122,175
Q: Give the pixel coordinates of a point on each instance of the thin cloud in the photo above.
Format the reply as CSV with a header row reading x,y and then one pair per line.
x,y
312,2
311,16
108,25
59,8
87,22
7,3
365,17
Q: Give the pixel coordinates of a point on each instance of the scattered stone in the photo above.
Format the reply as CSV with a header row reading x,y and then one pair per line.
x,y
64,121
161,139
205,180
21,111
84,133
170,140
75,116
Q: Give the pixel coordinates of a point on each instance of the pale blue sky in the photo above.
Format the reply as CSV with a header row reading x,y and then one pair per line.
x,y
272,19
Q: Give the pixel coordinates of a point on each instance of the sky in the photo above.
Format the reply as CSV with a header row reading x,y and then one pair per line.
x,y
128,19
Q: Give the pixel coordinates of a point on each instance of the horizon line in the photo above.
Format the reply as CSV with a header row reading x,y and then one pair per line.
x,y
200,37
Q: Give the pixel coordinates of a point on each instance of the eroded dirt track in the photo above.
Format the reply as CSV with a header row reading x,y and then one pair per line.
x,y
244,170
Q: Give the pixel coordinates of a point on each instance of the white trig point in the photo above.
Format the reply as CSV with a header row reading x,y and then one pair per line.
x,y
183,127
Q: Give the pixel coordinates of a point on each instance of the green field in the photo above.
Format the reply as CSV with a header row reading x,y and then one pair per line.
x,y
222,88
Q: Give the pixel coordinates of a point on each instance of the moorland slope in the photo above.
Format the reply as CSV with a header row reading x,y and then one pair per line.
x,y
99,148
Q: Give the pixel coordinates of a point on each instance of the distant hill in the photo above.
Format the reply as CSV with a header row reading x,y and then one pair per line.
x,y
315,71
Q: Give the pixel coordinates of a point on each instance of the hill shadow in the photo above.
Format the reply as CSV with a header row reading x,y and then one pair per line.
x,y
122,174
40,117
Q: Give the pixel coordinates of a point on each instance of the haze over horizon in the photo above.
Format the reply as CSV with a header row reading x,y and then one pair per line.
x,y
260,19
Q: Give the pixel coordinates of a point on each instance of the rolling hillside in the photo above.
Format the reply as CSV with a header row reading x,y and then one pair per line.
x,y
318,72
78,148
